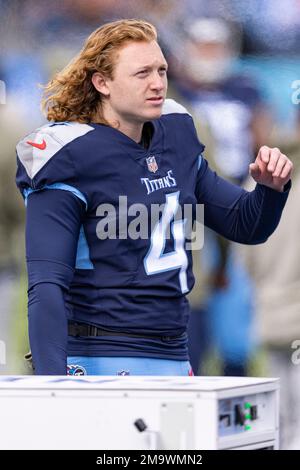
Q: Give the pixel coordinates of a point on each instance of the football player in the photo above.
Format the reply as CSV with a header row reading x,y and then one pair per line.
x,y
103,300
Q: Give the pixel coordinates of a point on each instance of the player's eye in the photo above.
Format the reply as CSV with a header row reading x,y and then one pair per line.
x,y
163,71
142,73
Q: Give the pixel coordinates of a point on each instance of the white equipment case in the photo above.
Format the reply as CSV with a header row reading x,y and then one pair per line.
x,y
131,412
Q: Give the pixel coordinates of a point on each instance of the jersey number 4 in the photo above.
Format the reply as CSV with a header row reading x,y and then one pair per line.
x,y
156,261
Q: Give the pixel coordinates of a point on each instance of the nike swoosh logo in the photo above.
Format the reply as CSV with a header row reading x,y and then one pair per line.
x,y
41,146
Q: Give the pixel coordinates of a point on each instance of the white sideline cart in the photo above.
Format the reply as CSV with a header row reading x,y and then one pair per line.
x,y
142,413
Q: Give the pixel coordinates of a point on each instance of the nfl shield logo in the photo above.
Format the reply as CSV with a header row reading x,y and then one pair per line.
x,y
152,165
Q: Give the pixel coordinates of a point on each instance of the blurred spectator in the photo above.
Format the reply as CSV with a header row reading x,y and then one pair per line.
x,y
231,103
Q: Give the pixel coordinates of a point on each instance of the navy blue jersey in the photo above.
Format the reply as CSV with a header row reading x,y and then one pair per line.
x,y
72,176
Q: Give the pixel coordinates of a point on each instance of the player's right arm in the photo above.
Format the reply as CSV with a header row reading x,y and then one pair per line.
x,y
56,207
53,221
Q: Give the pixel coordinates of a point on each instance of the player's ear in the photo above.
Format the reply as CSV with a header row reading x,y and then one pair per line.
x,y
99,82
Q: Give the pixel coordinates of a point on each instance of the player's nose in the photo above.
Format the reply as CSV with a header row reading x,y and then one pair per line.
x,y
157,82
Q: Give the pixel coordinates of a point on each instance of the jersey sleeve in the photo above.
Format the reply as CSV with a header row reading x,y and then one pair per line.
x,y
52,228
239,215
44,160
53,222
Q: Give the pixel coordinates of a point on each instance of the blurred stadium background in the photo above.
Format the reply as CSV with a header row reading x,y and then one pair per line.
x,y
236,66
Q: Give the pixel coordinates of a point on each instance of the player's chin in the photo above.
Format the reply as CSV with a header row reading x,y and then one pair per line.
x,y
156,115
153,110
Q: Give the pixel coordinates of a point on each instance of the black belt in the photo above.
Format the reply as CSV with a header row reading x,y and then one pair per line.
x,y
83,329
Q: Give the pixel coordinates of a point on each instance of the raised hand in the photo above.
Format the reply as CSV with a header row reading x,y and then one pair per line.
x,y
271,168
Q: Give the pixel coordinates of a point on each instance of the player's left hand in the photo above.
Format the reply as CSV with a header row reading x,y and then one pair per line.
x,y
271,168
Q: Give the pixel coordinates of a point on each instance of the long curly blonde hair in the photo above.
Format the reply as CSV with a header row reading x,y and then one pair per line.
x,y
71,95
